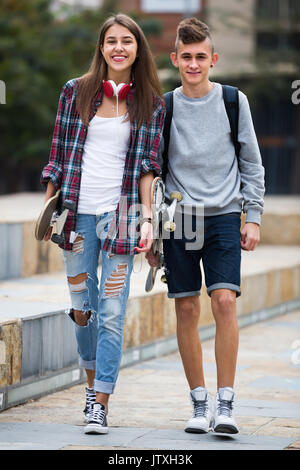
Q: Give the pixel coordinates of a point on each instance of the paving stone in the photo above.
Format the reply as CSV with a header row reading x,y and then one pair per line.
x,y
277,383
151,404
56,436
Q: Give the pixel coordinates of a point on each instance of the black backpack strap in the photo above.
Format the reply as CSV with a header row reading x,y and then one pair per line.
x,y
231,101
168,97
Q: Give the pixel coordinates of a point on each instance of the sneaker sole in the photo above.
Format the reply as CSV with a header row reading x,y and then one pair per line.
x,y
95,429
226,429
196,430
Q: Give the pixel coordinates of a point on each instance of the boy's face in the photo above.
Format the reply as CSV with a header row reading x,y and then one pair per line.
x,y
194,61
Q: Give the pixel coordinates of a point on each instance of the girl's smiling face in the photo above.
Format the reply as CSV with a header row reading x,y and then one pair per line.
x,y
119,49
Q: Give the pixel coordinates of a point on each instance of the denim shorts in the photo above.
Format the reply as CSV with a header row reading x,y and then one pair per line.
x,y
220,253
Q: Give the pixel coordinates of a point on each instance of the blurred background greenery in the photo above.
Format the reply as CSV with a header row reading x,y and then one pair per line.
x,y
44,43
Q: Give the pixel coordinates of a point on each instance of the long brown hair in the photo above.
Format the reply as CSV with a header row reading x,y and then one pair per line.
x,y
146,81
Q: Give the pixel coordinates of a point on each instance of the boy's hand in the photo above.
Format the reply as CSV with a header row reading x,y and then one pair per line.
x,y
250,236
152,258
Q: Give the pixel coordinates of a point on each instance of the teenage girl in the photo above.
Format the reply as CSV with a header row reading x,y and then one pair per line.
x,y
103,157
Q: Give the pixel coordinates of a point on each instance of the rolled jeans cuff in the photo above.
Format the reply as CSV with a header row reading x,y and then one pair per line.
x,y
224,285
178,295
90,365
104,387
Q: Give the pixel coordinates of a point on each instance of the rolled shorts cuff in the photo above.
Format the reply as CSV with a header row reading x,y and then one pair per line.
x,y
224,285
178,295
90,365
104,387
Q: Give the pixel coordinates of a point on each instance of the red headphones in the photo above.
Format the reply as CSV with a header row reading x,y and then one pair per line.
x,y
120,91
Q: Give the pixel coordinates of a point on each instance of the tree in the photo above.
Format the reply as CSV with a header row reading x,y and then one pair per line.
x,y
39,51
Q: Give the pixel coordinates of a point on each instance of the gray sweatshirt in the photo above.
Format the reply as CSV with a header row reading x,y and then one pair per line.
x,y
203,166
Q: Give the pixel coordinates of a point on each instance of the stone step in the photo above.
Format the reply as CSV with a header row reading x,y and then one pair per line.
x,y
38,351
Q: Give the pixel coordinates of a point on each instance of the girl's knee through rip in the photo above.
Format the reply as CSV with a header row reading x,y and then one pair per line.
x,y
81,318
77,285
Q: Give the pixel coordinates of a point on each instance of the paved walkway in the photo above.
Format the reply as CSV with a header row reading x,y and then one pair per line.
x,y
151,405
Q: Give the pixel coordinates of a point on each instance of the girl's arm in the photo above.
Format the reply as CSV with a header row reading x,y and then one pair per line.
x,y
146,228
51,190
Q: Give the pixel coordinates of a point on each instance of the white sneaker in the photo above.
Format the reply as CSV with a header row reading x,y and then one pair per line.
x,y
223,421
200,422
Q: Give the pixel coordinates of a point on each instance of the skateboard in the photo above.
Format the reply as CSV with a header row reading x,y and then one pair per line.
x,y
50,215
163,217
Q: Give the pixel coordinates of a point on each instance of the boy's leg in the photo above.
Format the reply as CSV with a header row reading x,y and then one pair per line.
x,y
221,262
187,313
184,284
223,303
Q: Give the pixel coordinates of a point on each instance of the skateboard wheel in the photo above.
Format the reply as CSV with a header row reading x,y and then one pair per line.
x,y
57,238
176,195
170,226
163,279
68,204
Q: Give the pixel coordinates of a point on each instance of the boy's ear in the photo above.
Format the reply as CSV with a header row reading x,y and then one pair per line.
x,y
174,60
215,59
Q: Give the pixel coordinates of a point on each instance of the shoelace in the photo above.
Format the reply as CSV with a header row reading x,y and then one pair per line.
x,y
200,408
90,399
225,407
98,415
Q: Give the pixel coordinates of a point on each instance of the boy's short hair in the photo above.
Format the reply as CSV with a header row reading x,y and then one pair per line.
x,y
192,30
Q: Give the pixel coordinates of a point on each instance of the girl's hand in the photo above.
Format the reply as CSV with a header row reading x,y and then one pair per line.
x,y
146,238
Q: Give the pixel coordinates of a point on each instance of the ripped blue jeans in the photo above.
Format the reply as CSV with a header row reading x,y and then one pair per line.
x,y
100,342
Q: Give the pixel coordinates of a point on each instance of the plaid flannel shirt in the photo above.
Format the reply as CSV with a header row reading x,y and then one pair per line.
x,y
64,167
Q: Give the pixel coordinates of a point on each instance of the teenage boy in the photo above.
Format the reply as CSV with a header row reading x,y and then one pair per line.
x,y
204,168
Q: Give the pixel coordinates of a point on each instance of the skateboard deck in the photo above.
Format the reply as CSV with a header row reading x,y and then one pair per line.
x,y
157,204
49,215
163,218
45,218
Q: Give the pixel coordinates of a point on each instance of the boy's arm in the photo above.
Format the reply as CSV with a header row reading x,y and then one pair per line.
x,y
250,165
252,177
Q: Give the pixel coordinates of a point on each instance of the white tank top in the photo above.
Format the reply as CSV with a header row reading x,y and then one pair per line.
x,y
103,163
